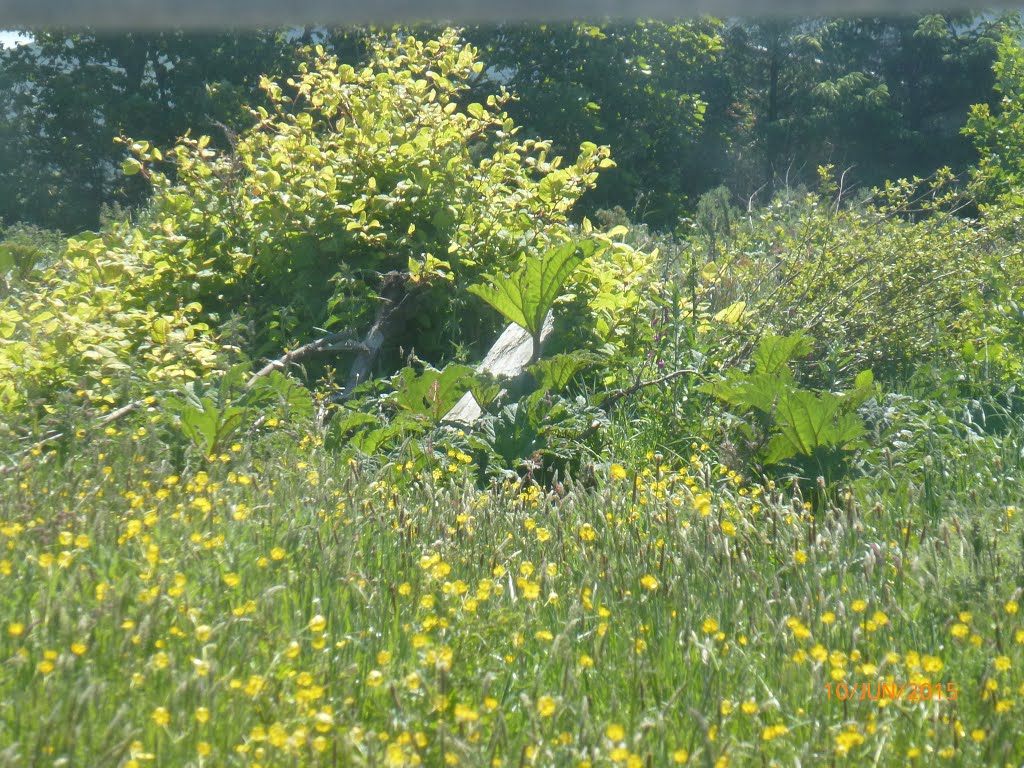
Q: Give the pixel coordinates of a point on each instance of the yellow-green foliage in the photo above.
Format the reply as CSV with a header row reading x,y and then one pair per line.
x,y
352,173
356,172
887,285
998,134
85,325
619,283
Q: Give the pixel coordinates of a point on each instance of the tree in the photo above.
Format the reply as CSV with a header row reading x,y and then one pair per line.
x,y
998,131
356,192
884,97
643,88
352,195
66,96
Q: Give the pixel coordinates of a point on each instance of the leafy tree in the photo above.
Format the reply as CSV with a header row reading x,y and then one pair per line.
x,y
883,97
998,131
641,87
66,96
361,183
351,197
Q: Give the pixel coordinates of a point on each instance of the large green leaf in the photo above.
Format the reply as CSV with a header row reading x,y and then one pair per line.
x,y
774,353
807,422
371,441
209,427
517,429
485,388
770,381
556,372
802,422
863,388
278,390
431,393
352,420
526,296
750,390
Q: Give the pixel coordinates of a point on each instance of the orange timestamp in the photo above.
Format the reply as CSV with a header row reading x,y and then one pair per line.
x,y
895,691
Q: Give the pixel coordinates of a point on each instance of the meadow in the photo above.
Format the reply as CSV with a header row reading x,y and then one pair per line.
x,y
757,500
277,606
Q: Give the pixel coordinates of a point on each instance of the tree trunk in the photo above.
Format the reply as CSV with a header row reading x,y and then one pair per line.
x,y
395,301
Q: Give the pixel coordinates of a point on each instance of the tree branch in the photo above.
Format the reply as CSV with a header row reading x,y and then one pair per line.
x,y
394,297
615,396
334,342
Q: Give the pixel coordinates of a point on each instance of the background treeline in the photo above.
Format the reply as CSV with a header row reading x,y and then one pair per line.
x,y
685,106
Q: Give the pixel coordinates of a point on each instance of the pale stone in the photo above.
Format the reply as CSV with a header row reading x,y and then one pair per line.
x,y
507,358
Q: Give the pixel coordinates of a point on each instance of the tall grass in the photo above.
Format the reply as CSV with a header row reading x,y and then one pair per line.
x,y
281,607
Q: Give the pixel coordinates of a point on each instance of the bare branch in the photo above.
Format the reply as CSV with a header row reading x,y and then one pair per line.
x,y
335,342
615,396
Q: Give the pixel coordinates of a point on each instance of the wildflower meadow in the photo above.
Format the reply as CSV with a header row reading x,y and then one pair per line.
x,y
748,490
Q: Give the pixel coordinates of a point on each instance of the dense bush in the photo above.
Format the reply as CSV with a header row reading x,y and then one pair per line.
x,y
353,175
888,284
358,190
85,326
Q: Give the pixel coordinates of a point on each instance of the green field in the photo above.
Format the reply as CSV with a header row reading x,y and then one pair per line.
x,y
754,496
277,606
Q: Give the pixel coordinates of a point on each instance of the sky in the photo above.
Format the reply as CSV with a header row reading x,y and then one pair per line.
x,y
10,39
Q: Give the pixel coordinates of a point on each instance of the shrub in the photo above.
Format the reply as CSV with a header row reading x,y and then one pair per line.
x,y
355,189
887,285
354,175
